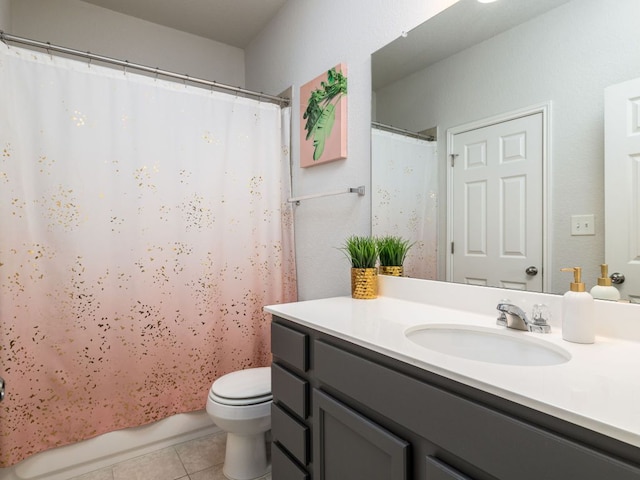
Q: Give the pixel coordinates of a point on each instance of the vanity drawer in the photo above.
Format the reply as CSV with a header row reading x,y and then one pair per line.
x,y
290,346
290,390
285,468
290,433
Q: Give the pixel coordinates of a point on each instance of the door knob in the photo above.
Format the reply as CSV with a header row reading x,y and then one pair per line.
x,y
617,278
531,271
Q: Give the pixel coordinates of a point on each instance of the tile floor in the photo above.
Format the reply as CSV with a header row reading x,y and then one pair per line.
x,y
199,459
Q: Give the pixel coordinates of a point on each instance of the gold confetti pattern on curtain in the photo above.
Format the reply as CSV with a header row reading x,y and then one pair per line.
x,y
404,195
144,227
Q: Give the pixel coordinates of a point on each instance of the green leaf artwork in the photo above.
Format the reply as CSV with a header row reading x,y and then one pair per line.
x,y
321,110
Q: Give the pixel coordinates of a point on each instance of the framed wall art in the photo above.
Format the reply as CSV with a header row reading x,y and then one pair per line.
x,y
323,118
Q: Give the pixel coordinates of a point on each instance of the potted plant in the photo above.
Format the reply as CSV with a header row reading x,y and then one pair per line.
x,y
392,251
362,252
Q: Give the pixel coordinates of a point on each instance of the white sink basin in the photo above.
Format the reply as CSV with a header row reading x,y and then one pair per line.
x,y
488,345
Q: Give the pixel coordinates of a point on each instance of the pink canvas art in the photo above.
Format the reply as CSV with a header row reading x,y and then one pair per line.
x,y
323,118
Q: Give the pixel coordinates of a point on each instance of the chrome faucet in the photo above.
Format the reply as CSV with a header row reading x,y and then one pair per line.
x,y
512,316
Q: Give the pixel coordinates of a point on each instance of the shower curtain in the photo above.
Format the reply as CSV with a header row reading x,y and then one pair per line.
x,y
404,186
144,225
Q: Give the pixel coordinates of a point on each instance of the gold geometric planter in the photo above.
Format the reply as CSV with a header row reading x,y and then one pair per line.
x,y
364,283
393,271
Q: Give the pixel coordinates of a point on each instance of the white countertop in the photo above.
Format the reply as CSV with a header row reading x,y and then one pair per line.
x,y
598,388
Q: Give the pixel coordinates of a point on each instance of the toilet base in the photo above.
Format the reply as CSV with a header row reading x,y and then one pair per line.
x,y
245,457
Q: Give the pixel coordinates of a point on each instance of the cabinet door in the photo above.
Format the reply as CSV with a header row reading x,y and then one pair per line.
x,y
347,445
437,470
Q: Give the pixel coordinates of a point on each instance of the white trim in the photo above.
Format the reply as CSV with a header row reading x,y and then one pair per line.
x,y
545,110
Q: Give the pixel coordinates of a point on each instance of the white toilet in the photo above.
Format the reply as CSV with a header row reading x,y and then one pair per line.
x,y
240,404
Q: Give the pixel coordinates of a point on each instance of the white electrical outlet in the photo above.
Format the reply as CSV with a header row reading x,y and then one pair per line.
x,y
583,225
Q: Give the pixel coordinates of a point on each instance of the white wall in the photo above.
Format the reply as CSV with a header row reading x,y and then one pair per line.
x,y
305,39
83,26
565,56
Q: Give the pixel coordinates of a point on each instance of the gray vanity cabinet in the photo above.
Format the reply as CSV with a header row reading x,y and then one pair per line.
x,y
347,445
345,412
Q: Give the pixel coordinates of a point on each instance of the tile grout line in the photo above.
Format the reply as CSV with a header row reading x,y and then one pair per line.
x,y
181,463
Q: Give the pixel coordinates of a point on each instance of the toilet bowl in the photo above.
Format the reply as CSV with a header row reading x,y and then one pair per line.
x,y
240,404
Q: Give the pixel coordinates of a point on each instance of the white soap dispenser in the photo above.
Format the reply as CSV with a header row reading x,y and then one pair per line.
x,y
604,290
578,321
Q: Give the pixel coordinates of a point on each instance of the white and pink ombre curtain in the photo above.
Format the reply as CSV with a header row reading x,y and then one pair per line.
x,y
404,197
144,225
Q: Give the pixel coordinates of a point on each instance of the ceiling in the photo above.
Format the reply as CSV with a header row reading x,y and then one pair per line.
x,y
465,23
233,22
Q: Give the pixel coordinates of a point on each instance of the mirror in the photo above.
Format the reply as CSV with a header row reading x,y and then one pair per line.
x,y
476,61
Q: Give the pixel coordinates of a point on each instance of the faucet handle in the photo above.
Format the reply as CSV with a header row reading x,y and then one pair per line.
x,y
540,319
502,317
541,313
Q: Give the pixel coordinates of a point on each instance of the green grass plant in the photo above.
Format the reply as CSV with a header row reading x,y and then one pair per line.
x,y
362,252
392,250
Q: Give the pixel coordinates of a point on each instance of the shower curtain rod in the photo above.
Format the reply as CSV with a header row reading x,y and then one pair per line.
x,y
408,133
5,37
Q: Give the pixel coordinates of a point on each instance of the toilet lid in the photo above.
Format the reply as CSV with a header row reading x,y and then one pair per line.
x,y
244,387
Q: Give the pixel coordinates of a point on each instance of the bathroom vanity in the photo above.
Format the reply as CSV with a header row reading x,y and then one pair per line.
x,y
354,397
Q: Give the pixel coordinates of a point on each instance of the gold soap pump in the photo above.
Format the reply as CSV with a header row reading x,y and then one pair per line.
x,y
604,290
578,322
577,285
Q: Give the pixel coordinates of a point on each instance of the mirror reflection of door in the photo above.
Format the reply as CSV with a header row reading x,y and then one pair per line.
x,y
622,185
496,204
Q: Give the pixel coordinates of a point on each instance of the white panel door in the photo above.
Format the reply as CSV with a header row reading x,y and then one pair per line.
x,y
497,206
622,184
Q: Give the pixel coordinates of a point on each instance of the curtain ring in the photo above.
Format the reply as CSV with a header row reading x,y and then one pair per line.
x,y
90,60
49,51
124,70
156,74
